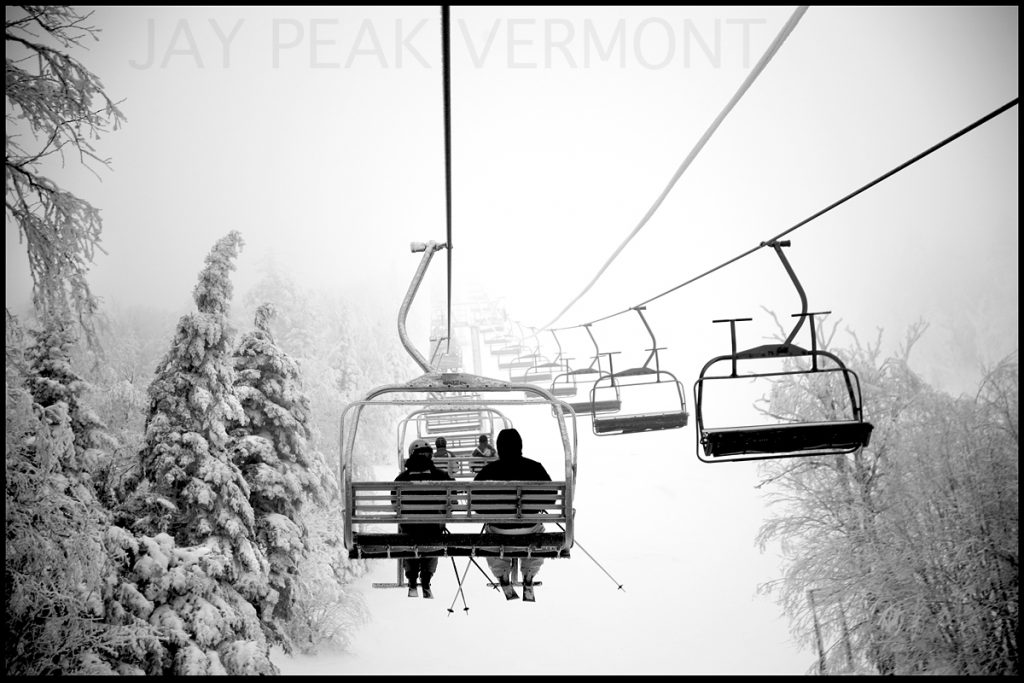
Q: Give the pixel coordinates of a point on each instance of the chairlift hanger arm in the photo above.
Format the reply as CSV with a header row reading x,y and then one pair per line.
x,y
597,350
536,339
558,344
522,337
654,342
428,249
777,245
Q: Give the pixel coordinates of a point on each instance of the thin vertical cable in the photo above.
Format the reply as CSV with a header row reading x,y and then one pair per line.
x,y
446,52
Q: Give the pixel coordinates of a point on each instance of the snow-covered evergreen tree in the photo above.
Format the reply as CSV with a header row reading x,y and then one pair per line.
x,y
133,340
341,344
182,595
53,551
194,498
276,457
52,379
56,576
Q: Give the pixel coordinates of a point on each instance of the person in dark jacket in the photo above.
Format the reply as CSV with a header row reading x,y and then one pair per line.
x,y
483,450
443,457
420,467
512,466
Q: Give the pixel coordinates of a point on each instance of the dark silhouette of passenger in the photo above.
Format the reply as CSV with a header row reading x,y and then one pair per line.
x,y
420,467
512,466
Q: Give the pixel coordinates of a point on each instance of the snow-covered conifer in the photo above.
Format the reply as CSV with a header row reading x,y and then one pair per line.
x,y
52,379
53,559
185,460
277,459
194,498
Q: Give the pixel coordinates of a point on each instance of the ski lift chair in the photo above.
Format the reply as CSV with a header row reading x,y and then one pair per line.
x,y
374,509
845,434
636,381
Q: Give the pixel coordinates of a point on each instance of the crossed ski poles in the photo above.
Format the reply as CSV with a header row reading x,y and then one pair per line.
x,y
494,584
465,607
460,591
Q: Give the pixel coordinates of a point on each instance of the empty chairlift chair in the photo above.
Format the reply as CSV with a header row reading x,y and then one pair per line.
x,y
563,385
540,373
521,363
838,434
670,401
607,400
512,352
497,339
535,368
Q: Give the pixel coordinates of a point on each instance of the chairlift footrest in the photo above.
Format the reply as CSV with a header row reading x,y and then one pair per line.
x,y
492,584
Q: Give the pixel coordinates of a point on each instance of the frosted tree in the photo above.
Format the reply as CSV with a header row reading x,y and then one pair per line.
x,y
53,552
133,341
903,555
342,356
178,605
55,107
57,579
194,497
191,402
276,457
52,379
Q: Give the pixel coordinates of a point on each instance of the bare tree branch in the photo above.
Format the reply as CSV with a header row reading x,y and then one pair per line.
x,y
53,95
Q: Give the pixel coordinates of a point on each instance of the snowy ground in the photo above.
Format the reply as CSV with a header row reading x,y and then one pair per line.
x,y
677,533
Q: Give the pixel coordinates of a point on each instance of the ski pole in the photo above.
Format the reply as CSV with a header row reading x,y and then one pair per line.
x,y
473,560
459,592
493,584
593,560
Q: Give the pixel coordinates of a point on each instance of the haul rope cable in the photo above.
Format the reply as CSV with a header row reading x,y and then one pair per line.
x,y
751,77
884,176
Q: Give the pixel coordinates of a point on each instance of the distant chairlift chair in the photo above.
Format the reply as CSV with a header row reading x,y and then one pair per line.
x,y
608,402
629,382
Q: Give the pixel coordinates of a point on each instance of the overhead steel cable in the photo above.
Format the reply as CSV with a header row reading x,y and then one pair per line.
x,y
446,70
751,77
884,176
